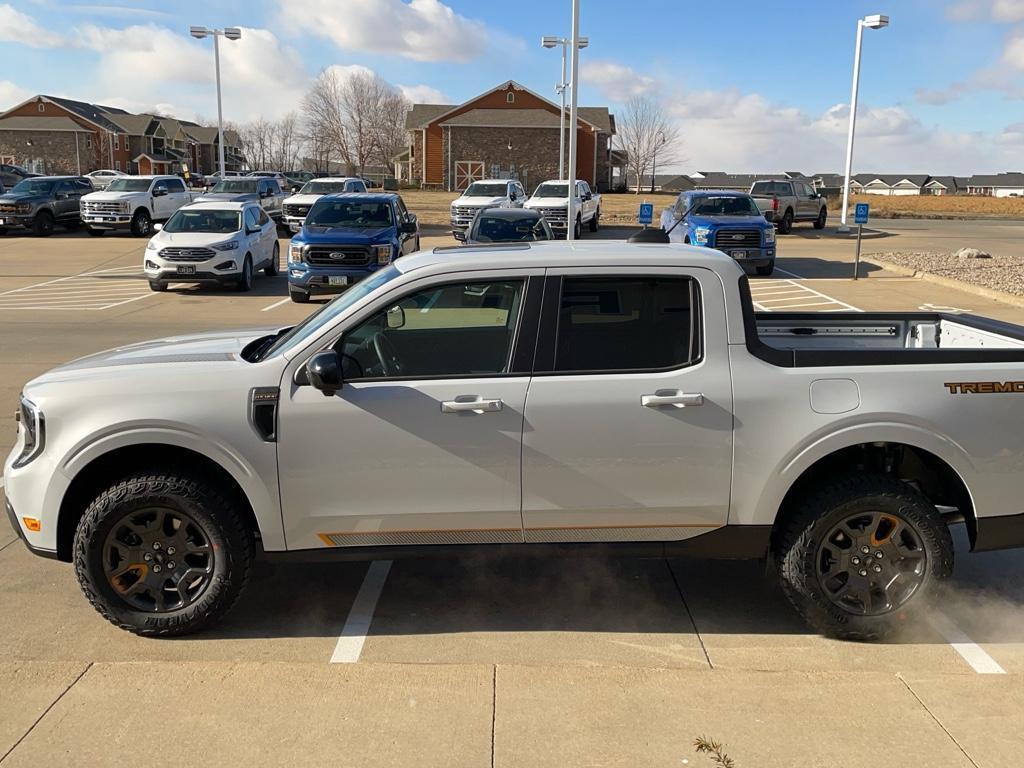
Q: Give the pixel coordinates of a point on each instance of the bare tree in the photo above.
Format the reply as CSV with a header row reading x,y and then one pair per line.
x,y
646,132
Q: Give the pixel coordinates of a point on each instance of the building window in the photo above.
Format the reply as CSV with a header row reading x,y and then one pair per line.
x,y
41,107
126,148
88,141
117,165
117,142
510,98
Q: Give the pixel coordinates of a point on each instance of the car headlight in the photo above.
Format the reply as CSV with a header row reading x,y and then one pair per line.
x,y
230,245
700,235
383,254
33,431
769,235
152,246
295,253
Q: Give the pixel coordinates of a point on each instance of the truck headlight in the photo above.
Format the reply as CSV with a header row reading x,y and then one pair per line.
x,y
126,207
700,235
769,235
383,254
230,245
294,253
23,208
33,431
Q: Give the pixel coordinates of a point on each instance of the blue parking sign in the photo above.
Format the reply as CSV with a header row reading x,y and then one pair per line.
x,y
646,213
860,213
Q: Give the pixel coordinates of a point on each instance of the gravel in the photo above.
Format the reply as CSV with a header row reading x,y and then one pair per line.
x,y
1000,273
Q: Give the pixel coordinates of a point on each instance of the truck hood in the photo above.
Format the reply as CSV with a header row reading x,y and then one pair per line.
x,y
227,197
547,202
193,349
307,199
107,197
477,201
22,197
191,239
312,234
728,221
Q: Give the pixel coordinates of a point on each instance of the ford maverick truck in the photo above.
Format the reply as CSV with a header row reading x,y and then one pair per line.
x,y
532,394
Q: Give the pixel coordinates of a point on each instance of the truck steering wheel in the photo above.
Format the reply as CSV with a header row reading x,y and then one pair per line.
x,y
390,362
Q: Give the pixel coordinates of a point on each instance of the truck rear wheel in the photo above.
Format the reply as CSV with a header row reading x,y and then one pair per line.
x,y
162,554
860,554
786,222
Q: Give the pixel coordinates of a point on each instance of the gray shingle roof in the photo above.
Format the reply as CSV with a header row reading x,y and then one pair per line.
x,y
92,112
41,123
421,114
505,118
134,125
1012,179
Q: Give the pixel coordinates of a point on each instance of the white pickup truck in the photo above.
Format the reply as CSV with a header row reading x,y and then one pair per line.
x,y
133,203
493,193
297,206
784,201
552,200
525,395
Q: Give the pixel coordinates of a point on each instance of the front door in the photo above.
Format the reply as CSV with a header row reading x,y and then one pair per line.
x,y
422,443
628,432
807,201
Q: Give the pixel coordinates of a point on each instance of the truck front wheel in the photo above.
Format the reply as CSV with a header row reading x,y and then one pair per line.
x,y
596,221
577,229
860,554
142,223
161,553
819,223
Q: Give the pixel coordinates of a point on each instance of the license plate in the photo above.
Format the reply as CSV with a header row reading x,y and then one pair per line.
x,y
333,280
738,254
186,270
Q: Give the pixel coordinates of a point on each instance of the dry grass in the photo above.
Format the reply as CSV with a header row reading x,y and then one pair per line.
x,y
939,206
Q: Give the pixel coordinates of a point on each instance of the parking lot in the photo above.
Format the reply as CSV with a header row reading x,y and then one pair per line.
x,y
500,659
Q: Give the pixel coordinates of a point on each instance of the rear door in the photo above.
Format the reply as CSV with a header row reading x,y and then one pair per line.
x,y
628,431
65,204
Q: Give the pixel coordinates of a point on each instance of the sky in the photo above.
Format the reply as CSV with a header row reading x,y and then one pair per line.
x,y
942,88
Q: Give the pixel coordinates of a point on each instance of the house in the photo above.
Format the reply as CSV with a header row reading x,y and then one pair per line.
x,y
506,132
997,185
663,182
892,184
739,182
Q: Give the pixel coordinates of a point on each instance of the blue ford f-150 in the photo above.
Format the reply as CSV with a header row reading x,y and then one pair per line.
x,y
728,221
345,238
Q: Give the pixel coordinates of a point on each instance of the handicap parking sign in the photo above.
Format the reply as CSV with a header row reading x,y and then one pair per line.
x,y
860,213
646,213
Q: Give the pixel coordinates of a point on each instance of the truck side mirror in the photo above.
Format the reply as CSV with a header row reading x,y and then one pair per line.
x,y
324,372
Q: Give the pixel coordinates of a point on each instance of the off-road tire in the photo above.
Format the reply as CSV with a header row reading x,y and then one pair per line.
x,y
42,224
142,223
802,528
209,506
819,223
786,222
596,221
275,258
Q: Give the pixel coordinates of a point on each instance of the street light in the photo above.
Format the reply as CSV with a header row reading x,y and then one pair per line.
x,y
231,33
551,42
874,21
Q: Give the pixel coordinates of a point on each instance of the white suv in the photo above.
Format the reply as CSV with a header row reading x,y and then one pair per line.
x,y
221,243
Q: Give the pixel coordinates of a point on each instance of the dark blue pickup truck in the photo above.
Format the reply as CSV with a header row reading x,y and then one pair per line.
x,y
728,221
345,238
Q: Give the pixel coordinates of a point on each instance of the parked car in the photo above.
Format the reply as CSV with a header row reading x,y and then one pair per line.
x,y
134,203
101,178
552,200
10,175
297,206
40,203
345,239
280,178
213,178
505,225
246,189
841,446
784,201
222,242
728,221
496,193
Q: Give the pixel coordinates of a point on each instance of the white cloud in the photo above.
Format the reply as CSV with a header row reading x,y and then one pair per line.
x,y
1012,136
1006,11
423,30
422,94
11,94
615,81
18,27
1004,76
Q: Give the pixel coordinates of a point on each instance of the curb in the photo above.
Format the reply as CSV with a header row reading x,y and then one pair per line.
x,y
947,282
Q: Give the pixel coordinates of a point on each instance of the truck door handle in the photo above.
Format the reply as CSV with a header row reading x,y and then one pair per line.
x,y
473,403
674,397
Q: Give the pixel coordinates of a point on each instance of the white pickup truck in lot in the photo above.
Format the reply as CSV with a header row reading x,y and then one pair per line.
x,y
552,200
493,193
524,395
133,203
785,201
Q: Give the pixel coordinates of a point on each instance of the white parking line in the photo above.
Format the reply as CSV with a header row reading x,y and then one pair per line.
x,y
771,295
276,304
89,291
971,652
357,625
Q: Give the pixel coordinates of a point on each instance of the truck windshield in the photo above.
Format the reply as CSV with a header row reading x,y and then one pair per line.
x,y
322,187
725,206
486,189
236,186
552,190
33,187
204,220
350,214
326,315
122,184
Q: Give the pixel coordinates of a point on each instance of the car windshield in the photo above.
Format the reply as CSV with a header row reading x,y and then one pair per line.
x,y
33,187
486,189
350,214
235,186
552,190
502,229
725,206
219,222
322,187
326,315
122,184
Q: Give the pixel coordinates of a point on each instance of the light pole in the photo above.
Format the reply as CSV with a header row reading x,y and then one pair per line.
x,y
551,42
574,83
231,33
875,21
